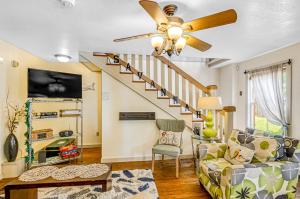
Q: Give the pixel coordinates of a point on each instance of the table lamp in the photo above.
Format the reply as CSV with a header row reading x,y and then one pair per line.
x,y
210,103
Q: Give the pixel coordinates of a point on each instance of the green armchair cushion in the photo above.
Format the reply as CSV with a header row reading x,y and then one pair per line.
x,y
237,154
166,150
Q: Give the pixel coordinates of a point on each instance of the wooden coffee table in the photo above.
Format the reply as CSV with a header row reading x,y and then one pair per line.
x,y
29,190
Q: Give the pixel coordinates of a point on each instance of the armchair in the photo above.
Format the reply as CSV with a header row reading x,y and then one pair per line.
x,y
176,126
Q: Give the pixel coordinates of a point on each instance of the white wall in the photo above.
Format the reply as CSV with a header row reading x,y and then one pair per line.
x,y
128,140
230,72
133,140
15,80
227,84
199,71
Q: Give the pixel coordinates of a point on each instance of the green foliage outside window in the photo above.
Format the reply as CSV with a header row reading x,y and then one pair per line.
x,y
262,124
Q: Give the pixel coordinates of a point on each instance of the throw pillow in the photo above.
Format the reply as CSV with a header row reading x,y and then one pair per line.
x,y
290,146
280,150
265,147
169,138
237,154
250,130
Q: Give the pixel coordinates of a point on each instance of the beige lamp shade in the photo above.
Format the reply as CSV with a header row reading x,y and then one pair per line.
x,y
210,103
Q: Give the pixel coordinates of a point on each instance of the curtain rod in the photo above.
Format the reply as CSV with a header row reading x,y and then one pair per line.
x,y
289,62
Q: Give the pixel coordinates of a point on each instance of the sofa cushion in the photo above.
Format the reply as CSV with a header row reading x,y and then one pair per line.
x,y
237,154
290,146
213,168
280,149
265,147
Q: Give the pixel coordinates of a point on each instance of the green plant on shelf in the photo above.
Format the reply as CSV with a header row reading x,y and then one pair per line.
x,y
30,153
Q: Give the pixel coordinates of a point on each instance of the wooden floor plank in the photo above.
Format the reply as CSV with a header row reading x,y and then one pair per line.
x,y
185,187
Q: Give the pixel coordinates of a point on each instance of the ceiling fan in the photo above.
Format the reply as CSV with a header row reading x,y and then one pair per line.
x,y
171,35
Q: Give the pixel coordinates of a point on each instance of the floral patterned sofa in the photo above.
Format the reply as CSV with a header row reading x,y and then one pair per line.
x,y
272,172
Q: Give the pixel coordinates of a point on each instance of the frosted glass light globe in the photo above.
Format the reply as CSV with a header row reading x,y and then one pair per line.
x,y
175,32
157,42
180,44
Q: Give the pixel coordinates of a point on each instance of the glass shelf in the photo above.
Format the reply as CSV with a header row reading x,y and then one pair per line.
x,y
53,160
57,137
39,100
49,118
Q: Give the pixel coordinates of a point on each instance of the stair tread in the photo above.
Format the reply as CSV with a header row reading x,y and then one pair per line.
x,y
174,105
138,81
197,120
150,89
186,113
111,64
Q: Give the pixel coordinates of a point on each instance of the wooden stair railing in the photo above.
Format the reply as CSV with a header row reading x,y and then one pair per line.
x,y
182,73
173,82
150,81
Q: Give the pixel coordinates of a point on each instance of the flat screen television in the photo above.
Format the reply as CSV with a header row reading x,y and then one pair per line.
x,y
51,84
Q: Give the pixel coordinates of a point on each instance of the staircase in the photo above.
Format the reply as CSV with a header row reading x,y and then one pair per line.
x,y
158,80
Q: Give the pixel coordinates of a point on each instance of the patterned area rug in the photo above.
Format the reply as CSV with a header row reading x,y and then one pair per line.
x,y
125,185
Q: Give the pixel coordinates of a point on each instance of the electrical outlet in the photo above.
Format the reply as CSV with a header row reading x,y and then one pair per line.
x,y
241,93
97,133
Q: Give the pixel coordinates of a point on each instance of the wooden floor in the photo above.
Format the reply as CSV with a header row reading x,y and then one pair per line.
x,y
186,186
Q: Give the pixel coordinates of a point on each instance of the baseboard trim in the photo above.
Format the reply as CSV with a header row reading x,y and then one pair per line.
x,y
139,158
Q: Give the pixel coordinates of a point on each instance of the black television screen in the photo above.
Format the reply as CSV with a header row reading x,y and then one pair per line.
x,y
50,84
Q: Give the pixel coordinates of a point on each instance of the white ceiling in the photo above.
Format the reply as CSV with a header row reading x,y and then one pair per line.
x,y
44,27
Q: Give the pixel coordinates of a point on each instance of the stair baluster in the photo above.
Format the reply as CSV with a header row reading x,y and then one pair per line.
x,y
175,83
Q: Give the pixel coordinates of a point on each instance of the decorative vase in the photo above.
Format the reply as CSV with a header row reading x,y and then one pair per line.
x,y
11,147
209,131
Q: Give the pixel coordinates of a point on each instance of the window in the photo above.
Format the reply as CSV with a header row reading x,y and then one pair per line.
x,y
269,99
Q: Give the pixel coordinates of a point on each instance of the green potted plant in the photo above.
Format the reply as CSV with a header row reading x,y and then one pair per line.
x,y
11,145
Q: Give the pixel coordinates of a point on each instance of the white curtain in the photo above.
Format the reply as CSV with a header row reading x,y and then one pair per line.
x,y
270,94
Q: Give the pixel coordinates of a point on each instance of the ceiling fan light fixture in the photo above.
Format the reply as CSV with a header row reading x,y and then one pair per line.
x,y
180,44
171,28
157,42
62,58
169,52
175,33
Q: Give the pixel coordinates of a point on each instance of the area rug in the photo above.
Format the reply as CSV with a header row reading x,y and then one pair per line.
x,y
125,185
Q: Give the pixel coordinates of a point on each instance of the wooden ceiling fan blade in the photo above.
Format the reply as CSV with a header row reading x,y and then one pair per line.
x,y
135,37
217,19
153,9
197,43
